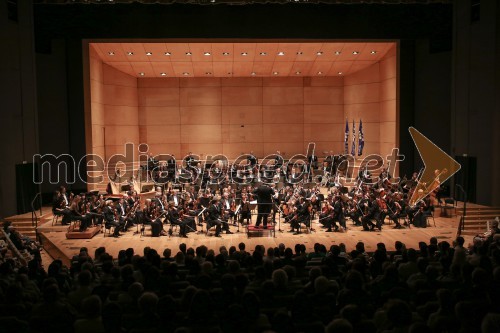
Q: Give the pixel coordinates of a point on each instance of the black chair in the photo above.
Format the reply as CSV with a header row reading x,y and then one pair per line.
x,y
450,204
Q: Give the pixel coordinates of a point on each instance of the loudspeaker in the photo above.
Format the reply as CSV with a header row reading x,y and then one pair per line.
x,y
466,177
26,188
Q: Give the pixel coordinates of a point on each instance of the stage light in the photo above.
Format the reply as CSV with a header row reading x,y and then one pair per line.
x,y
225,53
355,52
185,73
141,74
319,73
337,52
188,53
168,53
319,53
263,53
253,73
275,73
130,53
244,53
208,73
149,53
297,73
339,73
373,52
281,53
207,53
111,53
163,74
299,53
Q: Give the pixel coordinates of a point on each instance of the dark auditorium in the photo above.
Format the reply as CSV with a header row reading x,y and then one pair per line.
x,y
250,166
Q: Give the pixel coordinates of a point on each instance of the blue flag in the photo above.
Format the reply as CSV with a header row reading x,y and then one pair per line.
x,y
346,138
361,141
353,148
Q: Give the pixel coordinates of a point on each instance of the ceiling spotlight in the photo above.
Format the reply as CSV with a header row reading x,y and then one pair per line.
x,y
281,53
111,53
244,53
373,52
130,53
337,52
208,73
275,73
207,53
319,53
185,73
168,53
149,53
188,53
163,74
297,73
299,53
141,74
253,73
263,53
319,73
339,73
225,53
355,52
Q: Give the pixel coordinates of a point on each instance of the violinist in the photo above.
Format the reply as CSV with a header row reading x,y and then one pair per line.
x,y
338,214
78,212
354,211
326,215
175,219
302,216
394,209
110,220
245,213
372,213
228,207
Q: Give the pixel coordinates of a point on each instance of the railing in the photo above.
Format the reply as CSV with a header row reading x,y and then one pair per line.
x,y
34,217
461,224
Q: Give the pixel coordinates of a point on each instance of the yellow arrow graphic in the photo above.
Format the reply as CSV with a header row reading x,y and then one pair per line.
x,y
438,166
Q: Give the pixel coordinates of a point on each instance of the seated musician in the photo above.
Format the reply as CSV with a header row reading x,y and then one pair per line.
x,y
394,210
228,207
355,212
338,214
425,209
373,213
213,218
326,215
175,219
109,218
245,212
123,211
302,216
61,205
78,213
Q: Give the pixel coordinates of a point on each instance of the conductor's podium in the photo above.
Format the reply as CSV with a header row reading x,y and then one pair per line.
x,y
259,231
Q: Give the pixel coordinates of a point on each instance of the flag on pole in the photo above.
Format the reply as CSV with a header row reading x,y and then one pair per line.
x,y
346,138
353,148
361,141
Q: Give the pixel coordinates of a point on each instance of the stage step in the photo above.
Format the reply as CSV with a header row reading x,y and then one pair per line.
x,y
477,218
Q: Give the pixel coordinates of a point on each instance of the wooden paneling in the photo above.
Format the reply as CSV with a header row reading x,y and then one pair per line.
x,y
159,115
388,110
158,96
362,93
201,134
323,95
283,133
241,96
388,89
120,95
319,114
242,115
368,112
156,134
368,75
283,96
283,114
193,115
200,96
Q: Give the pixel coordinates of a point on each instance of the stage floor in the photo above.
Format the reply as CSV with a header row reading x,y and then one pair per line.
x,y
56,244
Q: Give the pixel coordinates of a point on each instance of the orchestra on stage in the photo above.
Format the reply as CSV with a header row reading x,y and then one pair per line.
x,y
196,198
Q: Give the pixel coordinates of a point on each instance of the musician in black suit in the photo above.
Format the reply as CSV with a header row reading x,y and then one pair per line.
x,y
313,161
214,217
109,219
264,195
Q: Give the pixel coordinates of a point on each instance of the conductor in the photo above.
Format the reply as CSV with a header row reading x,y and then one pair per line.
x,y
264,195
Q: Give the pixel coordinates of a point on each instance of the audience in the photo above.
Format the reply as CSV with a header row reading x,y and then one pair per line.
x,y
437,288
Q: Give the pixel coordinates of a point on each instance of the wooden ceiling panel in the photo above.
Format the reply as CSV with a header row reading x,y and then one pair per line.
x,y
226,59
139,54
163,67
